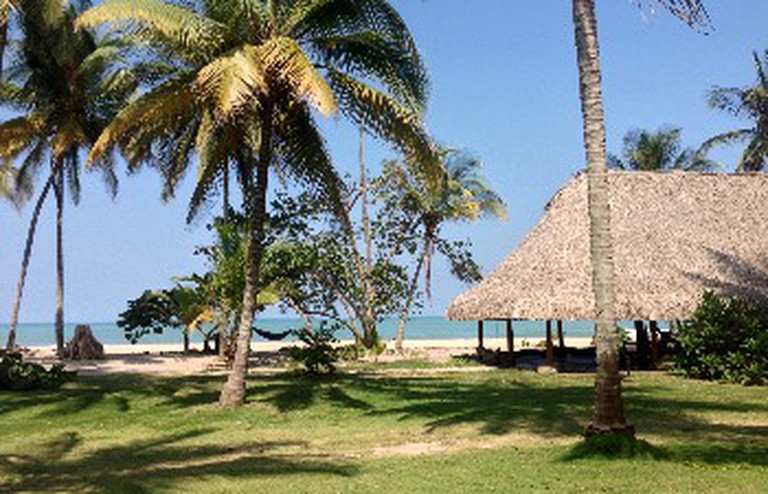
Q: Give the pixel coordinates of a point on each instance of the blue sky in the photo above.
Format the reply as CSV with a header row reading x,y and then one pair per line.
x,y
504,87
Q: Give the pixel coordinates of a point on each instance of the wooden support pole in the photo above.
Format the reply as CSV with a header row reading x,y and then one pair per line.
x,y
480,335
510,337
654,341
550,346
560,338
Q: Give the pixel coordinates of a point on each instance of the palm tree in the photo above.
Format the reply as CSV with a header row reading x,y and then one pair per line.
x,y
66,88
245,80
461,194
750,103
658,150
609,407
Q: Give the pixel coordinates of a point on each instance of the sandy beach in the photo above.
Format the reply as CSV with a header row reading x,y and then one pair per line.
x,y
168,359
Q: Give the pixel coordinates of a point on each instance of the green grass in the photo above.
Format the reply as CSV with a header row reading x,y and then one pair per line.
x,y
503,431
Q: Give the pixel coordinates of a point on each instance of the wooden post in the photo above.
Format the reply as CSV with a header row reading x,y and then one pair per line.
x,y
654,341
480,335
510,337
561,339
641,339
550,346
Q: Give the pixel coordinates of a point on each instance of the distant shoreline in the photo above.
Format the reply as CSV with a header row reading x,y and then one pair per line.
x,y
272,346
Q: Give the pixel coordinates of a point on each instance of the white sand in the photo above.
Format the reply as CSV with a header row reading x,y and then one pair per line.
x,y
167,358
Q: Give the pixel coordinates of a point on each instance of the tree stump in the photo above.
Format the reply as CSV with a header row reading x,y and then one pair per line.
x,y
84,346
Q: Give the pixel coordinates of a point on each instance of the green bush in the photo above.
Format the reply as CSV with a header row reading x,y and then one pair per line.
x,y
318,356
18,375
727,340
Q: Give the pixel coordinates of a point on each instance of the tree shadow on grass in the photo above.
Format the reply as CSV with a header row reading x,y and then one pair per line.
x,y
146,465
496,407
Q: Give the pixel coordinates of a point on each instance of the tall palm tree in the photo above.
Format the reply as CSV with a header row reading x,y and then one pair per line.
x,y
247,78
750,103
461,194
66,87
609,405
658,150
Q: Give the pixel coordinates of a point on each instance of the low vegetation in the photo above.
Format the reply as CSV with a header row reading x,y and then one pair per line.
x,y
727,339
468,431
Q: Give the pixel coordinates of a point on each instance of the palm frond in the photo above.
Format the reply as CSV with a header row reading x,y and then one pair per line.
x,y
286,60
163,21
691,12
370,55
305,156
394,123
156,113
18,134
231,82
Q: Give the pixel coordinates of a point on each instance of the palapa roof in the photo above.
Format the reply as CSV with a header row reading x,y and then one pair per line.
x,y
676,234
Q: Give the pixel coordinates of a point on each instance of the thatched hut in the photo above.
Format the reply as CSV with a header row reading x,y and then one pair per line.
x,y
676,234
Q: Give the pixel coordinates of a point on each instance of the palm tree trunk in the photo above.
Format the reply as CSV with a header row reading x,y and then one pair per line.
x,y
59,193
223,340
370,335
609,406
25,261
233,391
411,294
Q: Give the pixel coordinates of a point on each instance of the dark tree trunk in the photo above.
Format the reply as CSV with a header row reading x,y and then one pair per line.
x,y
233,391
59,193
643,349
11,344
609,405
409,300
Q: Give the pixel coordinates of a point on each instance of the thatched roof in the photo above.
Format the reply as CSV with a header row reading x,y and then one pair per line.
x,y
675,234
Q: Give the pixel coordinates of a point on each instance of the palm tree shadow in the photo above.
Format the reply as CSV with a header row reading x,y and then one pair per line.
x,y
147,465
739,278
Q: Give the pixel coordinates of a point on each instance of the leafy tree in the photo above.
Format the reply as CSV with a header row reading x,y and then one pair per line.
x,y
245,79
750,103
609,406
461,194
66,85
184,306
316,268
658,150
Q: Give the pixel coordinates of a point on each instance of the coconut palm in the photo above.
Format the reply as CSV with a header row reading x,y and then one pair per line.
x,y
461,194
658,150
246,82
66,87
609,407
750,103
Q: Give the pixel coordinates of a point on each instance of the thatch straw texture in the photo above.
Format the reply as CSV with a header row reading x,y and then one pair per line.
x,y
676,235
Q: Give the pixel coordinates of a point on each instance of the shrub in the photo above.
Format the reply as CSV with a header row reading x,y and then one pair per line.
x,y
18,375
318,356
727,339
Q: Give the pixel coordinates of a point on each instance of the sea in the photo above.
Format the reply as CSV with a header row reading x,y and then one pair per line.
x,y
418,328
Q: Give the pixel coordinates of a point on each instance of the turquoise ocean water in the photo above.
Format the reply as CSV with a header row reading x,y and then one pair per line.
x,y
419,328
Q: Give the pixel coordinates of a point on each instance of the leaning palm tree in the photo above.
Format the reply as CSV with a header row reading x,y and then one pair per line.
x,y
66,88
609,407
246,80
461,194
658,150
750,103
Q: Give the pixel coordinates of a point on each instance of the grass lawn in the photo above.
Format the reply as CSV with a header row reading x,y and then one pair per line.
x,y
502,431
